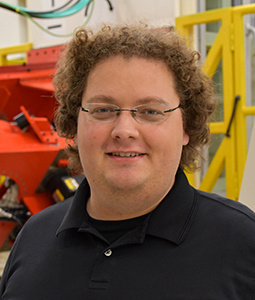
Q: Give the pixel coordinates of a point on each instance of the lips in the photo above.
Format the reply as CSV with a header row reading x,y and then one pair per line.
x,y
126,154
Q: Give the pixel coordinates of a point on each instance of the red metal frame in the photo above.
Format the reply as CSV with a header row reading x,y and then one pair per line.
x,y
5,229
26,155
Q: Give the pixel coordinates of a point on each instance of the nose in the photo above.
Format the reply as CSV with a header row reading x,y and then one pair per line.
x,y
125,127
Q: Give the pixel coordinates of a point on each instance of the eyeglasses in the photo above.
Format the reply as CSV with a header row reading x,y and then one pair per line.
x,y
145,113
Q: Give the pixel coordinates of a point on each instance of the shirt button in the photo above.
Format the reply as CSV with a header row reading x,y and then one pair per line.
x,y
108,252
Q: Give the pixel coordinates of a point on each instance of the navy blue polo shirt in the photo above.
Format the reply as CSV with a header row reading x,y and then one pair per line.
x,y
194,245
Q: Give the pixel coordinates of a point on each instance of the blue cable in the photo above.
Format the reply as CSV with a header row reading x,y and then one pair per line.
x,y
68,12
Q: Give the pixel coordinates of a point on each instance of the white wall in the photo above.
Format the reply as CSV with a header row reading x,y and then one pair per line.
x,y
13,27
161,12
16,29
101,13
247,189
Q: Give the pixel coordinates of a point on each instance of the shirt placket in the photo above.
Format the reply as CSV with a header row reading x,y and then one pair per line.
x,y
105,256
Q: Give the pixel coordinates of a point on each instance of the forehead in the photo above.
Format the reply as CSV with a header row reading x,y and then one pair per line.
x,y
130,79
122,64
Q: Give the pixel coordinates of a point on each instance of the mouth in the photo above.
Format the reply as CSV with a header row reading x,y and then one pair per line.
x,y
126,154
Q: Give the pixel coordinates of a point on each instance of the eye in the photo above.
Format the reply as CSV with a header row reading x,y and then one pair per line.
x,y
101,109
150,111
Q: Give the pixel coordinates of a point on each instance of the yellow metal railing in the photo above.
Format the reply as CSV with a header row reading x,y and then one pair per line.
x,y
5,52
229,49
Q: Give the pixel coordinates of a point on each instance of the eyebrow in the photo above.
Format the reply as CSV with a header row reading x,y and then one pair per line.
x,y
151,99
101,98
109,99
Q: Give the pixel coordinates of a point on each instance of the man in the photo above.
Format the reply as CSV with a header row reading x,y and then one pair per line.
x,y
136,104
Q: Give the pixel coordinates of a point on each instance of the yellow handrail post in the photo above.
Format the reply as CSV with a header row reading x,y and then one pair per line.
x,y
4,52
228,105
228,47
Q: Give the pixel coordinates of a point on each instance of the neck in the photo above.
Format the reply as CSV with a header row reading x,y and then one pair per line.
x,y
120,205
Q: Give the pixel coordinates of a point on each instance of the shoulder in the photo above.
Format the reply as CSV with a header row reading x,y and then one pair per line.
x,y
226,214
57,211
226,206
47,220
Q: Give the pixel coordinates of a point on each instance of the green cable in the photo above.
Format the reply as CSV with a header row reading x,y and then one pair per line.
x,y
55,34
70,11
65,13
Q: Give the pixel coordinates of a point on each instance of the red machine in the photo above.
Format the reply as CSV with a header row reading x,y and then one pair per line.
x,y
29,146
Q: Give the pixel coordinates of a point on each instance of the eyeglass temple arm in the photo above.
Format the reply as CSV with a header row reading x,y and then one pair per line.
x,y
172,109
84,109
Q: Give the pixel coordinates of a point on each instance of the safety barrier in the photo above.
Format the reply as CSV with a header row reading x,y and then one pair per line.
x,y
229,49
4,52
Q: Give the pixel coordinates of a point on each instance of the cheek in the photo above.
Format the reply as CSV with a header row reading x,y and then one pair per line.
x,y
90,136
169,139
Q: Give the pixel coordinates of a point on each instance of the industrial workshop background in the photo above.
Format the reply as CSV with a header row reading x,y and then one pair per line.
x,y
33,171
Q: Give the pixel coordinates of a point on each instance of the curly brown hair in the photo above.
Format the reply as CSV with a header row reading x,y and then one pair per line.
x,y
87,49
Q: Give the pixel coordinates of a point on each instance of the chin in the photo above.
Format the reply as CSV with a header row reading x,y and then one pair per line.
x,y
126,183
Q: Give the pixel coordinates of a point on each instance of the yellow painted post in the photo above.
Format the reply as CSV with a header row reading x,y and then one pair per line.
x,y
2,179
248,110
214,56
229,46
221,48
4,52
214,170
228,106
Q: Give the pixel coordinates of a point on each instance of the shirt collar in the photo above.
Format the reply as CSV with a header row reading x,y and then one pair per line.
x,y
75,215
171,220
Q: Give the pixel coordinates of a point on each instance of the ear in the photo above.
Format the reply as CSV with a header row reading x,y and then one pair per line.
x,y
75,139
185,140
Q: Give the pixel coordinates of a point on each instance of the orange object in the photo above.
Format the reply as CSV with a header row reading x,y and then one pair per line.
x,y
26,154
